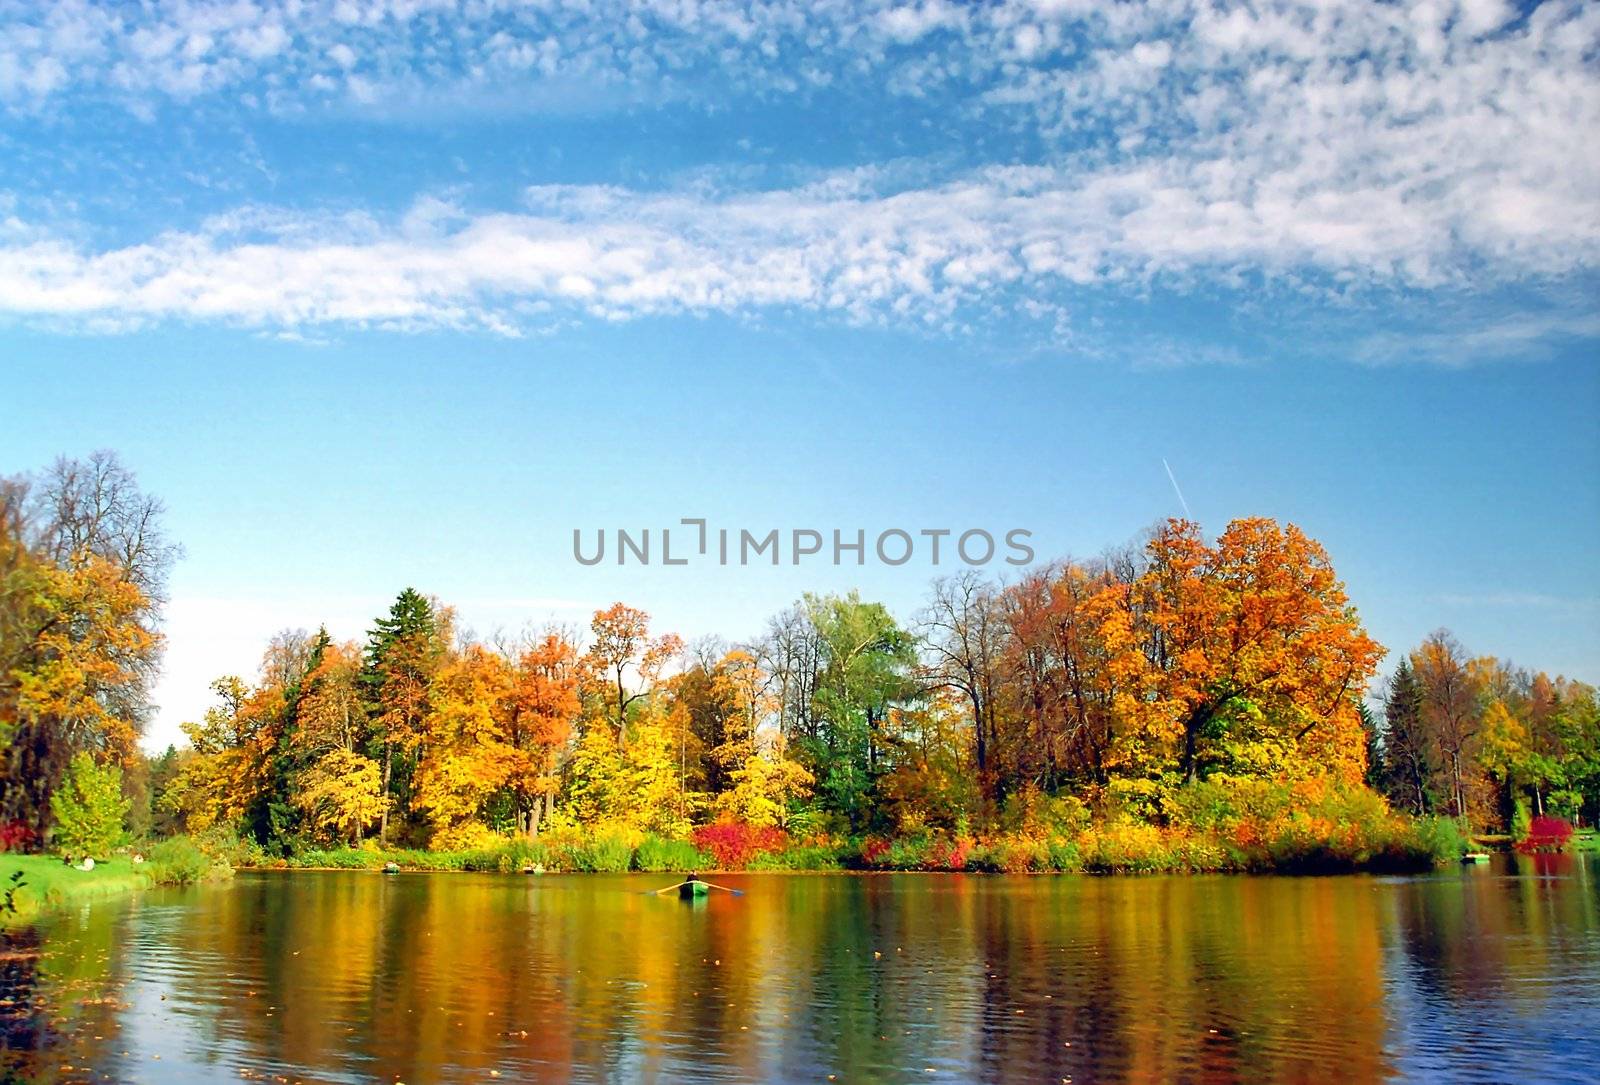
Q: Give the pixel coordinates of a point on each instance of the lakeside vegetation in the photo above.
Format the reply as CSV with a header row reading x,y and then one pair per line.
x,y
1180,705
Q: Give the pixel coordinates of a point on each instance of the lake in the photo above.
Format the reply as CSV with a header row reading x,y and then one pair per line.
x,y
1487,973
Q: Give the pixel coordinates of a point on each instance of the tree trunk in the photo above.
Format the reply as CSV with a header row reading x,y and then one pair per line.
x,y
383,819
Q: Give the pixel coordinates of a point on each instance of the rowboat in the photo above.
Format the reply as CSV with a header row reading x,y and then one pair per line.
x,y
690,890
1475,857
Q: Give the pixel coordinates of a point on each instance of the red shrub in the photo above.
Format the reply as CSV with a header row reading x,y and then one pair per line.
x,y
733,844
950,856
873,849
1546,834
16,836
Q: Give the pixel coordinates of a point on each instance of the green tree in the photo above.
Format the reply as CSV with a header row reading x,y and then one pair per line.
x,y
1408,761
89,808
403,652
868,669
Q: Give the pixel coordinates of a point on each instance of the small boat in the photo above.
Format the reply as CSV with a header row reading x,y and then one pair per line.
x,y
691,890
1475,857
391,868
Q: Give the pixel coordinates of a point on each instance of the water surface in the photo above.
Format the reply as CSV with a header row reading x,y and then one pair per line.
x,y
1472,974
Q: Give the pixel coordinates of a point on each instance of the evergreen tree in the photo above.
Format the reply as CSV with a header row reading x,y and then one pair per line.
x,y
1372,728
1408,764
400,659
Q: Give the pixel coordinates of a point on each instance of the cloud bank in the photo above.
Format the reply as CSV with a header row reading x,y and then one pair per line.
x,y
1327,148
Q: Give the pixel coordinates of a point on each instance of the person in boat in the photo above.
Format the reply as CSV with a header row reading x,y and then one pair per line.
x,y
693,877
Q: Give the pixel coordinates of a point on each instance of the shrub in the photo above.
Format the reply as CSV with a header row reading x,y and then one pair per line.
x,y
813,856
467,836
1063,857
180,861
89,808
732,844
17,836
1438,839
608,852
337,859
507,857
1521,821
226,846
1546,834
657,853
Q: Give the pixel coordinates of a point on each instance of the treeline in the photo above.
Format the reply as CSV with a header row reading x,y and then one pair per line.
x,y
1483,739
1111,686
1213,690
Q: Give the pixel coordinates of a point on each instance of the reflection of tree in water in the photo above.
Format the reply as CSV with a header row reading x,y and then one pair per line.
x,y
24,1028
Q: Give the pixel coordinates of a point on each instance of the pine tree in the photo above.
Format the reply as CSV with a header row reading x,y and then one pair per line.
x,y
1408,764
396,675
1372,728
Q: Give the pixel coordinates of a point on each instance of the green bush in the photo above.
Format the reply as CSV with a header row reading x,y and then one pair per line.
x,y
89,808
340,859
226,846
657,853
511,857
607,853
800,857
1521,821
180,861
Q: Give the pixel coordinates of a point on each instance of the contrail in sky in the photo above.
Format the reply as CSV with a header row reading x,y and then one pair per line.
x,y
1175,489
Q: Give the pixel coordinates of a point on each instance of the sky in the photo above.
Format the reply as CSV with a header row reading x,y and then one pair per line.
x,y
388,294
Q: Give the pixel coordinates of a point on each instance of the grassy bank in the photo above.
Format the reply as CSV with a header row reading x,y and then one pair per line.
x,y
48,883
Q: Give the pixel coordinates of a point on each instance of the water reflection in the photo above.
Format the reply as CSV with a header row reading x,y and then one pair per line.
x,y
1476,974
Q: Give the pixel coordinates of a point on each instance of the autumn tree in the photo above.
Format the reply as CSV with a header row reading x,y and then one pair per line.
x,y
230,770
622,642
542,709
1450,713
468,758
965,639
1252,653
83,565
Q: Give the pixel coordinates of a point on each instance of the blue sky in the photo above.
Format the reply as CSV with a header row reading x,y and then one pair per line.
x,y
402,293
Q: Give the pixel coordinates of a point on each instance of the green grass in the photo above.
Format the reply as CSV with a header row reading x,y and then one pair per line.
x,y
1586,840
50,883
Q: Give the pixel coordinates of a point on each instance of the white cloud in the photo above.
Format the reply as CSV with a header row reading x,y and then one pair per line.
x,y
847,244
1329,146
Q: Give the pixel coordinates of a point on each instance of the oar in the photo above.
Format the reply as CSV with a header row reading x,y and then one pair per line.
x,y
725,889
668,889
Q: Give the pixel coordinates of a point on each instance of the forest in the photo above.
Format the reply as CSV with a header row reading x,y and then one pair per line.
x,y
1181,703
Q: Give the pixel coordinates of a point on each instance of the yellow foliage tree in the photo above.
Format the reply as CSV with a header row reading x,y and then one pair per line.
x,y
341,795
467,758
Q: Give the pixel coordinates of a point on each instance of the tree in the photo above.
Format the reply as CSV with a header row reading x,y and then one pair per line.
x,y
868,669
231,767
404,650
1068,650
1450,713
82,573
1406,750
543,707
89,809
341,794
622,641
965,637
467,758
1252,653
